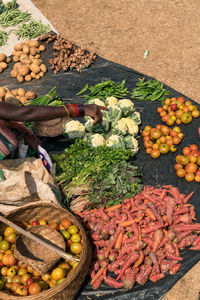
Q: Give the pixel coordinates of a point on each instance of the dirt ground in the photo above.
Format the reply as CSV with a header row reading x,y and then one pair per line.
x,y
121,31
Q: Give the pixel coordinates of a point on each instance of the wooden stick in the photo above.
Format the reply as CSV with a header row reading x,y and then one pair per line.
x,y
29,235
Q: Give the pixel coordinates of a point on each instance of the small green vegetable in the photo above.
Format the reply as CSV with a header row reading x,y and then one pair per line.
x,y
32,30
105,89
151,90
3,38
12,17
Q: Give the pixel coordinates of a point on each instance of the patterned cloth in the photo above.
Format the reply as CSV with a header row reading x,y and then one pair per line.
x,y
8,142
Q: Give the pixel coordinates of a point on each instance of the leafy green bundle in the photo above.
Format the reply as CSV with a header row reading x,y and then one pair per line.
x,y
96,176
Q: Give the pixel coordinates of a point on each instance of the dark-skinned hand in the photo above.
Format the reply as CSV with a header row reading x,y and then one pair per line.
x,y
95,112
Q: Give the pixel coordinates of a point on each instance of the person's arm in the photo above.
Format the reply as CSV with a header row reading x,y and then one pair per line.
x,y
11,112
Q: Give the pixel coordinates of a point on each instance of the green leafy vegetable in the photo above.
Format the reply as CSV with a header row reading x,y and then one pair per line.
x,y
151,90
105,89
32,30
13,16
3,38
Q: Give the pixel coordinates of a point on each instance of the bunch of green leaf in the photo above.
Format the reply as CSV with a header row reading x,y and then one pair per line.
x,y
3,38
82,168
122,181
13,16
50,99
151,90
32,30
105,89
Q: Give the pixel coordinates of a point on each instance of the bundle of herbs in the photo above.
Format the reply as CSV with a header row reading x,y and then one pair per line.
x,y
105,89
98,176
150,90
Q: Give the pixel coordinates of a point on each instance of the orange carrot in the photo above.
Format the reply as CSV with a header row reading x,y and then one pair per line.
x,y
114,207
140,260
146,201
187,205
128,205
165,232
98,274
164,217
119,241
130,222
150,214
139,233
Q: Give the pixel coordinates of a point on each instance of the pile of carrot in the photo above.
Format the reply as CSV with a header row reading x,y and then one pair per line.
x,y
140,239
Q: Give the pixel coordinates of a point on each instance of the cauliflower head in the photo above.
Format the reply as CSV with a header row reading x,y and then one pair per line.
x,y
127,106
104,126
136,117
132,126
114,113
115,141
97,102
95,140
131,143
111,101
74,129
120,127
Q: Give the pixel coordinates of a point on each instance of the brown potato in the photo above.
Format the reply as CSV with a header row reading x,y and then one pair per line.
x,y
8,60
22,99
37,61
37,76
20,78
18,53
16,65
1,69
32,74
21,92
23,70
19,46
30,95
35,68
2,92
34,51
16,58
42,48
13,73
2,57
28,77
26,49
37,56
41,74
43,68
14,92
34,43
3,65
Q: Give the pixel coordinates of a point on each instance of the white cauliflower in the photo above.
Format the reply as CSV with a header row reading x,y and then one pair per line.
x,y
127,106
111,101
74,129
97,102
115,141
97,140
132,126
131,143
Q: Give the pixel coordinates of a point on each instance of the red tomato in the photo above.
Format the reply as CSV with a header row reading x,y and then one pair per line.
x,y
176,140
165,130
147,144
195,113
193,147
189,177
191,168
186,151
148,150
192,158
34,288
164,148
155,153
173,148
184,160
197,178
21,290
180,173
178,166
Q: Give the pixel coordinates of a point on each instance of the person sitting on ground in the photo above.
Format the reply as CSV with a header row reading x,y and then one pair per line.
x,y
13,116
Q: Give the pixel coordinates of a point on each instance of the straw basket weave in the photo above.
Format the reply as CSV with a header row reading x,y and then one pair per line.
x,y
50,128
68,289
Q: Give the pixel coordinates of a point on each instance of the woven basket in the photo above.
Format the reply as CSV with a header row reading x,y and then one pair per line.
x,y
50,128
68,289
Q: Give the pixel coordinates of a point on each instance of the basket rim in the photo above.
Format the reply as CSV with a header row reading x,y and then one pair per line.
x,y
61,286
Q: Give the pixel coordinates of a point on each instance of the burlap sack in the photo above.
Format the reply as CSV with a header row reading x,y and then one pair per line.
x,y
27,180
50,128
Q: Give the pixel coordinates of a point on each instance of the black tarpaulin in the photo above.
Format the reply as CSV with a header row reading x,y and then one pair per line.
x,y
156,171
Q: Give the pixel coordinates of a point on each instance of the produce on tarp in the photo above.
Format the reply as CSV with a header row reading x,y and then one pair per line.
x,y
92,177
3,38
144,239
105,89
177,110
28,64
188,165
19,279
118,129
161,139
32,30
67,56
20,94
150,90
4,61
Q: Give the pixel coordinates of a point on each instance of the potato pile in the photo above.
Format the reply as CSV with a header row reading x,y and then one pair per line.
x,y
20,94
28,64
4,61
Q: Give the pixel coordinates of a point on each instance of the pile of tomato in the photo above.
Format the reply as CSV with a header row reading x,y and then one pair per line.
x,y
188,165
16,278
178,111
161,139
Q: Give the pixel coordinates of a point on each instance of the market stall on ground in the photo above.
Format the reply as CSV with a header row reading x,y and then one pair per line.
x,y
132,168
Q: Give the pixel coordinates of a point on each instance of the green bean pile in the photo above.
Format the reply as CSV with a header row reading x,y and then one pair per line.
x,y
3,38
12,17
32,30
